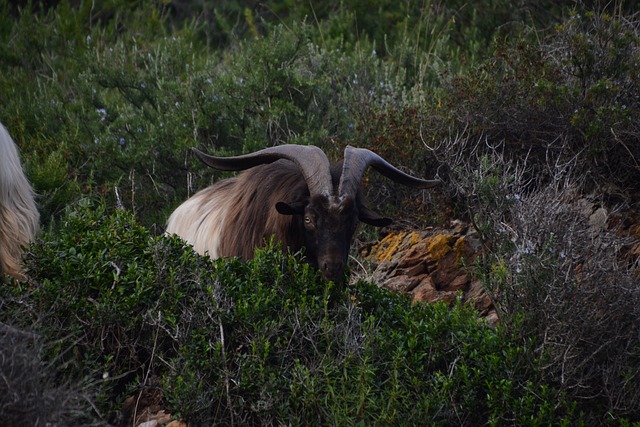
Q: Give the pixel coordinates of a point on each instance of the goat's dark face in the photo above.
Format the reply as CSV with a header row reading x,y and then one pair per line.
x,y
329,225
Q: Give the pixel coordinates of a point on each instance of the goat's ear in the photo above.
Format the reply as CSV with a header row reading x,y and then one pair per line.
x,y
370,217
290,209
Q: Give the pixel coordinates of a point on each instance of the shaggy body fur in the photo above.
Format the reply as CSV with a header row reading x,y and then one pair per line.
x,y
246,205
19,216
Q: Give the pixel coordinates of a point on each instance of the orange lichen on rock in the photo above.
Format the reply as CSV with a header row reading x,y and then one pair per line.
x,y
465,252
392,244
439,246
383,251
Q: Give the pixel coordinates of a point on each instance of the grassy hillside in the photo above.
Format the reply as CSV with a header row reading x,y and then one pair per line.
x,y
528,112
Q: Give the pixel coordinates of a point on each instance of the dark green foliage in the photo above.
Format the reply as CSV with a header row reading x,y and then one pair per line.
x,y
47,57
117,112
265,342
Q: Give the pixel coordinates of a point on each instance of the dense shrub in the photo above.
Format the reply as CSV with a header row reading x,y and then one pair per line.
x,y
264,342
557,264
535,172
48,102
108,98
575,94
115,112
569,278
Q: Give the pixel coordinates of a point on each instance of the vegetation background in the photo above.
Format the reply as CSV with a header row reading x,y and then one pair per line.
x,y
527,110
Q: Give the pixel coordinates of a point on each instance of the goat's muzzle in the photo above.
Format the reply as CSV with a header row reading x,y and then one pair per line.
x,y
332,269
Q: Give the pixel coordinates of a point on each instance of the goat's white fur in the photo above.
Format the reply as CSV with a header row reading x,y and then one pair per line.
x,y
19,217
200,220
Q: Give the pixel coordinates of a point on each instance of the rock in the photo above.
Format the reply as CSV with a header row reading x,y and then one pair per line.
x,y
438,246
478,296
393,244
467,249
403,283
433,265
446,271
144,409
492,319
415,269
459,283
156,419
425,291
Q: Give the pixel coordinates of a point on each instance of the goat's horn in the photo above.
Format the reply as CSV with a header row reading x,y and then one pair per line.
x,y
311,160
356,162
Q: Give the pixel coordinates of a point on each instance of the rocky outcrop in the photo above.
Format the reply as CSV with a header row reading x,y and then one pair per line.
x,y
433,265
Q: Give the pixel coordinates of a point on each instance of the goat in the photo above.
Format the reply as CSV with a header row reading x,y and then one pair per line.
x,y
19,217
290,192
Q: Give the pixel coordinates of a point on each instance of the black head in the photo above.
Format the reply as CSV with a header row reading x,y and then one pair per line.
x,y
329,224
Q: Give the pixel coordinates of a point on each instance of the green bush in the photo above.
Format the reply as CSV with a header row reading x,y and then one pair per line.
x,y
46,59
99,110
108,98
264,342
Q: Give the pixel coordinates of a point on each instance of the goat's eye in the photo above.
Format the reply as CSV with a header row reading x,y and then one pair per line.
x,y
309,222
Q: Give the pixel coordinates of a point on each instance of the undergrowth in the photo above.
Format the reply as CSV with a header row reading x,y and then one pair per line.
x,y
265,342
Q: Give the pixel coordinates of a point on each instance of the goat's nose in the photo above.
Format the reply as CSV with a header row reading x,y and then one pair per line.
x,y
332,270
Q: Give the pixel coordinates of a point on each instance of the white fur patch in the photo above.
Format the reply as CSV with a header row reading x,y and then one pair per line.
x,y
200,221
19,217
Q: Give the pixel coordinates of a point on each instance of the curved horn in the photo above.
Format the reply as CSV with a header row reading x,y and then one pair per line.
x,y
311,160
356,162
